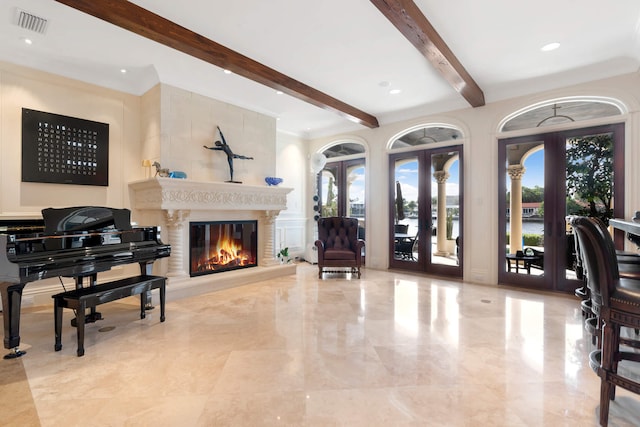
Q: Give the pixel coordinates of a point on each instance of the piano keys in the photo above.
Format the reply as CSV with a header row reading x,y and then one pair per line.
x,y
77,242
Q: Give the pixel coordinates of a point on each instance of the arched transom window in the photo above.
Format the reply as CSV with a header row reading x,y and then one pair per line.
x,y
555,113
426,135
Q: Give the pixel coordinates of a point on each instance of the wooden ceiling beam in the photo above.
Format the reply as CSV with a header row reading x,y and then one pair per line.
x,y
412,23
132,17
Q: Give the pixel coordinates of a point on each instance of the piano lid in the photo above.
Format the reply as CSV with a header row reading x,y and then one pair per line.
x,y
85,218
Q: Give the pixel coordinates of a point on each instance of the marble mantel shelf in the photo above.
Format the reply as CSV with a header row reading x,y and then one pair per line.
x,y
180,194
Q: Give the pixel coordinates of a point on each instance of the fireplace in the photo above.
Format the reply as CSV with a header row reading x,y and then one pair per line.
x,y
216,246
175,203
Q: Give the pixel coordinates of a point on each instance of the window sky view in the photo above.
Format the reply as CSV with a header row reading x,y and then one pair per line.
x,y
534,174
407,174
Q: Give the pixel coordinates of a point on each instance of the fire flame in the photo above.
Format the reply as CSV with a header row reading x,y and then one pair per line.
x,y
225,253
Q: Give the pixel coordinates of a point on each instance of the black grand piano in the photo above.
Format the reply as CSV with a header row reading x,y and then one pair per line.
x,y
77,242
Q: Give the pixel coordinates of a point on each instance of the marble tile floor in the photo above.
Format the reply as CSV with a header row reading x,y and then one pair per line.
x,y
390,349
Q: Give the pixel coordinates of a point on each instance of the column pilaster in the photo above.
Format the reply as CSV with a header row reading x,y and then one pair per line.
x,y
175,223
441,178
268,224
516,172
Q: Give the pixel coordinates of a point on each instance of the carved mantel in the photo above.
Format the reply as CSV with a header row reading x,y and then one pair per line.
x,y
180,200
171,194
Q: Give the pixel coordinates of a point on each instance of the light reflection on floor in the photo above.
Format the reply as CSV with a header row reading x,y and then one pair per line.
x,y
389,349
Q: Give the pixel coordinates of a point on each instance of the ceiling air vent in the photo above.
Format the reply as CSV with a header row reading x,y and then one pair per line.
x,y
30,22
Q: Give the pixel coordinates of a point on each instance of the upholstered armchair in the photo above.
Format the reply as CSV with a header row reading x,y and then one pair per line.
x,y
338,244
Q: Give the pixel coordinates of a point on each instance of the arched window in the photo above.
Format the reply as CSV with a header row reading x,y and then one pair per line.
x,y
426,135
559,112
344,149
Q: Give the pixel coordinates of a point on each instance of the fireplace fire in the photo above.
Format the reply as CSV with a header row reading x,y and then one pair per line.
x,y
217,246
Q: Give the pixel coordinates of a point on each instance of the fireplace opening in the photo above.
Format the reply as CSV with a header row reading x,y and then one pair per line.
x,y
217,246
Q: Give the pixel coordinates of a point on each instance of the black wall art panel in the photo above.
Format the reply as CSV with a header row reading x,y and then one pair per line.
x,y
64,150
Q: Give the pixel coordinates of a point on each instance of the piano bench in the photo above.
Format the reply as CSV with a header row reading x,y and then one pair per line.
x,y
89,297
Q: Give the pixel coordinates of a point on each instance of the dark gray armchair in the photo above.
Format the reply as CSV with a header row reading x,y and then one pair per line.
x,y
338,244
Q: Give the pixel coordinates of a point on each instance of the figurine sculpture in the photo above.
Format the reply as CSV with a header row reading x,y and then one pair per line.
x,y
164,172
223,146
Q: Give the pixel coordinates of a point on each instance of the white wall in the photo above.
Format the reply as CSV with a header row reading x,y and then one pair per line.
x,y
25,88
480,127
188,122
292,167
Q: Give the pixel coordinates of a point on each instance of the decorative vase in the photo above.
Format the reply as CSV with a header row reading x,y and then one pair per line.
x,y
272,180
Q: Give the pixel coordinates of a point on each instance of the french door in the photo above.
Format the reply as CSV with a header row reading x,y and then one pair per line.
x,y
426,211
342,191
546,177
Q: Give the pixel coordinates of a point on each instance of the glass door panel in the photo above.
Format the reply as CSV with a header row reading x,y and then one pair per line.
x,y
426,211
342,191
589,190
355,206
355,191
445,212
522,207
329,192
405,210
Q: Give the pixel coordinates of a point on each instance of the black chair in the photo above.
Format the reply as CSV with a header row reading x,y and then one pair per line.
x,y
338,244
539,261
404,247
616,303
628,268
403,243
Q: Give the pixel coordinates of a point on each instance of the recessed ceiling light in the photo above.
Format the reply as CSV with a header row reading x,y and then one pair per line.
x,y
549,47
395,91
279,92
27,40
123,70
227,71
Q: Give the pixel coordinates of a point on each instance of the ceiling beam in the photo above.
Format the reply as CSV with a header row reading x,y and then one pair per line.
x,y
132,17
412,23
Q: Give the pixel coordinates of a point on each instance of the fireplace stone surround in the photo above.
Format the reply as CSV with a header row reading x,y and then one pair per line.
x,y
173,203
